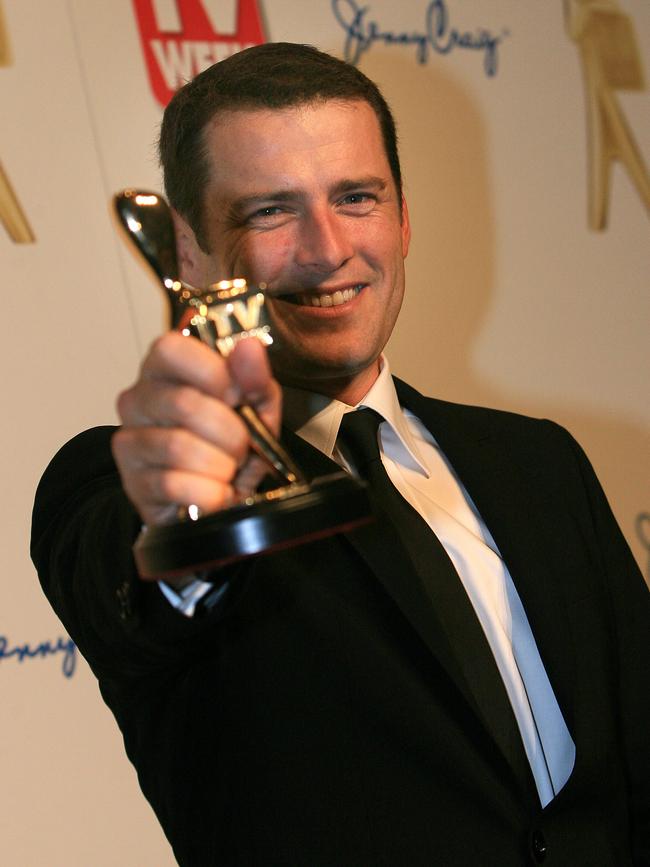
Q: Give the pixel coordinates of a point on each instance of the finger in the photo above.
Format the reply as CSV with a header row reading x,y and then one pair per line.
x,y
249,475
161,493
165,405
250,371
185,360
160,467
171,448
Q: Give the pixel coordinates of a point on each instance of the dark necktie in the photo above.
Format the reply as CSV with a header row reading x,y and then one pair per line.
x,y
358,435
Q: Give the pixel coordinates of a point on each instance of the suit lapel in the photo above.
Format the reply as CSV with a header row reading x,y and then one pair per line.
x,y
382,551
507,499
484,462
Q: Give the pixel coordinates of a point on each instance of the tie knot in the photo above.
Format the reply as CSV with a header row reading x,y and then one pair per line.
x,y
358,432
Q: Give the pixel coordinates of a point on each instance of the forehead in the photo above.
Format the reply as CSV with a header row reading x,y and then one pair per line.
x,y
298,143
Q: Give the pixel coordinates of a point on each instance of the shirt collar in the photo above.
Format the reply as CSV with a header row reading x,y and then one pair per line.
x,y
317,418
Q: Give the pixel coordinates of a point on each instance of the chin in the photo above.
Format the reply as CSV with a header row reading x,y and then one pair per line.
x,y
306,369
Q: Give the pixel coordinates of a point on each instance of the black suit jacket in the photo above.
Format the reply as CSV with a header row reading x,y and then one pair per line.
x,y
318,717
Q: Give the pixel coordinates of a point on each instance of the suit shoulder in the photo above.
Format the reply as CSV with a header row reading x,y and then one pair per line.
x,y
506,422
479,419
81,462
85,456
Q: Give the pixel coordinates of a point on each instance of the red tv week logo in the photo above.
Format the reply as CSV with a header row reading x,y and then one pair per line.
x,y
181,38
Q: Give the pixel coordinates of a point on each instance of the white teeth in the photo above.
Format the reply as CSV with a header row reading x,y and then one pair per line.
x,y
327,300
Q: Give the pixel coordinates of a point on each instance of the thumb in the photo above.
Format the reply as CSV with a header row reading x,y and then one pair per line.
x,y
251,374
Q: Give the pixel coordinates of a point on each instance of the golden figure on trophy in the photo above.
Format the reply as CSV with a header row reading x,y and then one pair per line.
x,y
11,213
610,61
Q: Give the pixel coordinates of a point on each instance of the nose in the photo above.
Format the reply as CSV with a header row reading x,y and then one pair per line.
x,y
324,244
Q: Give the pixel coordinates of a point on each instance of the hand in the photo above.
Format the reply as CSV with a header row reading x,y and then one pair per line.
x,y
181,442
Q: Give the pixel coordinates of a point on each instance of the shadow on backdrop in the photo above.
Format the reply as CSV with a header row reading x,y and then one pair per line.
x,y
451,274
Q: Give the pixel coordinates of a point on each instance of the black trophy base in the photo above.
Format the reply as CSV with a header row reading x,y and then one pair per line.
x,y
283,518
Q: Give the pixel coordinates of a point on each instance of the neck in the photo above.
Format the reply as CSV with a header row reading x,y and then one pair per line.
x,y
347,389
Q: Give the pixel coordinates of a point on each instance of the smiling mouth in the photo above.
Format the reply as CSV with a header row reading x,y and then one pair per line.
x,y
322,299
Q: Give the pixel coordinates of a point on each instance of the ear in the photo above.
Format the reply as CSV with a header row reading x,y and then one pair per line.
x,y
192,261
406,228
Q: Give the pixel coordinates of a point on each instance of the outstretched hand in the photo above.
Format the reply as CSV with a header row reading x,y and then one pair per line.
x,y
181,442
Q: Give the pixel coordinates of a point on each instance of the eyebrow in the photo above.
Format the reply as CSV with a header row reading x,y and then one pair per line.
x,y
346,185
368,182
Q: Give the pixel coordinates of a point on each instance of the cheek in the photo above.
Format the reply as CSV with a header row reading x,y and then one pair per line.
x,y
266,257
380,242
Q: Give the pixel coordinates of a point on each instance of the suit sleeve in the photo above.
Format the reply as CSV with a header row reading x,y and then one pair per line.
x,y
83,530
630,608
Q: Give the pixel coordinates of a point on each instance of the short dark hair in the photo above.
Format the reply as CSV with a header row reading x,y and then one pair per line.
x,y
273,75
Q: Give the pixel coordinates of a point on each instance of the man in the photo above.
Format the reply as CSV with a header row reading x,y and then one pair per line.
x,y
377,697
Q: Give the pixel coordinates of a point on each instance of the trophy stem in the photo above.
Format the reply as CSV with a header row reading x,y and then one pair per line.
x,y
268,446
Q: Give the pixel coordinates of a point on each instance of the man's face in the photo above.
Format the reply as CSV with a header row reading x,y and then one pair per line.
x,y
303,199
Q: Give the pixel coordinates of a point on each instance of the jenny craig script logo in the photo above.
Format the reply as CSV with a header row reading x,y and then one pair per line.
x,y
438,34
63,647
181,38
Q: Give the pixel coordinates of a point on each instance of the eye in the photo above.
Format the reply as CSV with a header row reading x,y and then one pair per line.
x,y
358,202
269,211
356,198
267,217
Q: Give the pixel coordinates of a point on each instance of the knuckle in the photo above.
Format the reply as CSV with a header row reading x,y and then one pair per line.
x,y
235,439
124,403
153,351
175,447
121,442
223,496
161,353
219,496
163,344
184,403
241,449
226,468
163,486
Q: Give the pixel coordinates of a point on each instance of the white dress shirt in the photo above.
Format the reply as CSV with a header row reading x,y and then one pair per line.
x,y
424,477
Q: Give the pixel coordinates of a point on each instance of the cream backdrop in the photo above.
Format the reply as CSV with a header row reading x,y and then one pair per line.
x,y
512,302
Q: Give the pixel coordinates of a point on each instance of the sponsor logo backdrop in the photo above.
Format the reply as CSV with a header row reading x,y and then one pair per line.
x,y
527,286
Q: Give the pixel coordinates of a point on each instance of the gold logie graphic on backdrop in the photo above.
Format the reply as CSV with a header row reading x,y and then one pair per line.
x,y
11,213
5,49
610,61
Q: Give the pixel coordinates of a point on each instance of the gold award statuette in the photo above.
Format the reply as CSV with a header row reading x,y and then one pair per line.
x,y
294,512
